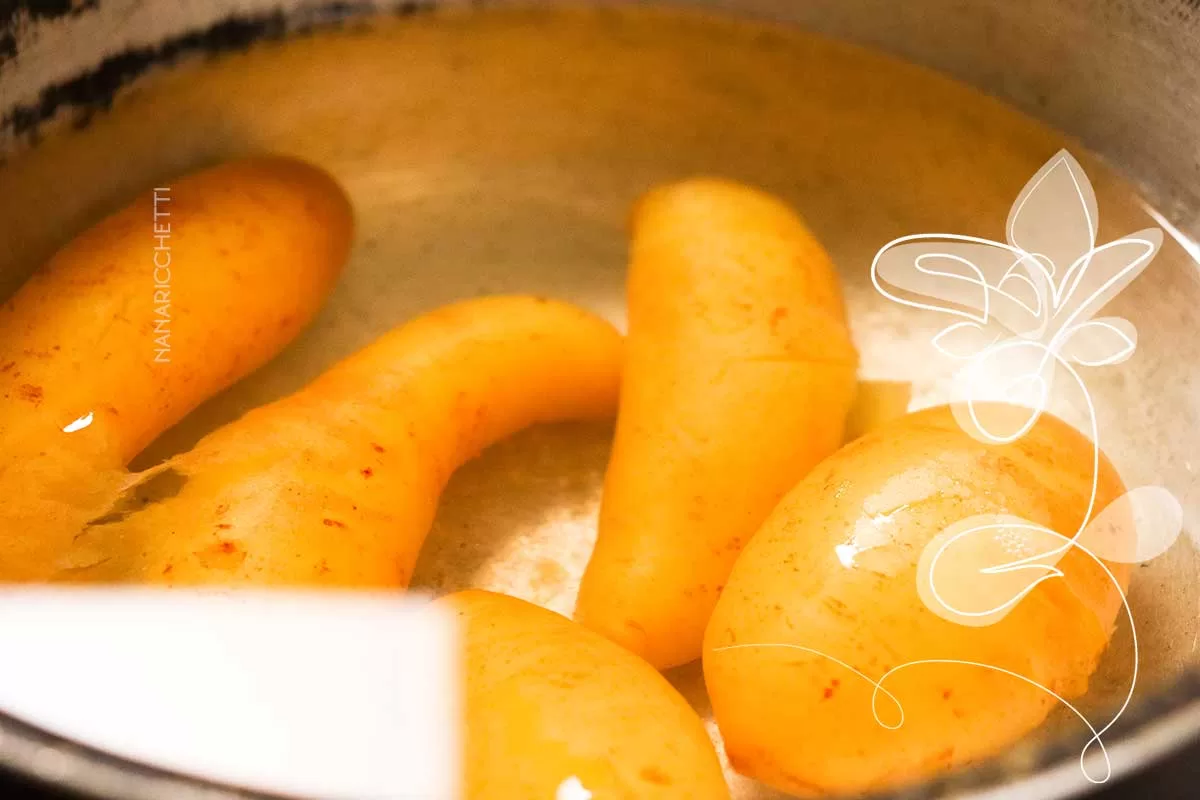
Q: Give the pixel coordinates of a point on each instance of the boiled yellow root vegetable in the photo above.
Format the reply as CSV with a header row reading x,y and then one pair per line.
x,y
138,320
550,703
338,483
739,374
824,601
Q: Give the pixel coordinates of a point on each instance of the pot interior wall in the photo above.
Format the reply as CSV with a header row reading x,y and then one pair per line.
x,y
500,150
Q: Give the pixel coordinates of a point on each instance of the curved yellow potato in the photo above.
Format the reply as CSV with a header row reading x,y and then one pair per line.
x,y
338,483
548,700
739,375
139,319
803,722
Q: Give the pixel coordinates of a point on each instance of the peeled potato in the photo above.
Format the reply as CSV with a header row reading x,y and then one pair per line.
x,y
338,483
549,702
834,570
139,319
738,376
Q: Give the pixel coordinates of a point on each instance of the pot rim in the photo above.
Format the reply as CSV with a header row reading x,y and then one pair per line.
x,y
1152,729
1164,721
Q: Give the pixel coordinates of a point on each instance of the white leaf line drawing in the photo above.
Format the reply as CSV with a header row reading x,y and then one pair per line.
x,y
1096,735
1019,318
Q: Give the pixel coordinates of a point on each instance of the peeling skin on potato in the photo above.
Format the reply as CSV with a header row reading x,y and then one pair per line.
x,y
82,390
153,486
338,484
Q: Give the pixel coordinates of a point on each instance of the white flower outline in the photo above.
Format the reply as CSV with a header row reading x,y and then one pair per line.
x,y
1058,312
1062,315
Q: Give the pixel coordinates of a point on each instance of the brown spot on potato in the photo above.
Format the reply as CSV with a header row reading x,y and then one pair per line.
x,y
367,472
27,391
377,448
836,606
333,523
655,775
222,554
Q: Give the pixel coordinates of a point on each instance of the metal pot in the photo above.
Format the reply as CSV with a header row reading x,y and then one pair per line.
x,y
1120,77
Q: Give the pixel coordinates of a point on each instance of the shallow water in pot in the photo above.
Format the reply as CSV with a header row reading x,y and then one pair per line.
x,y
500,151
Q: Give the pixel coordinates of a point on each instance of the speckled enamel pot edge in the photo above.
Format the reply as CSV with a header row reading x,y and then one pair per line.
x,y
31,102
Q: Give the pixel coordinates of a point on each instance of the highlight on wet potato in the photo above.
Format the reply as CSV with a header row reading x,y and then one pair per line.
x,y
587,401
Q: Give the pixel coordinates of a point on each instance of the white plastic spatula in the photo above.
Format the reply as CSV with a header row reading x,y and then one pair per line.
x,y
317,695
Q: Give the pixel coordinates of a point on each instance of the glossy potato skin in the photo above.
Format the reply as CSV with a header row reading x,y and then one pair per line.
x,y
803,723
338,484
739,374
254,246
548,699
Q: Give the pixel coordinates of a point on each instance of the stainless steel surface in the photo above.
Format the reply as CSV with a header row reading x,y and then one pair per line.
x,y
486,157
